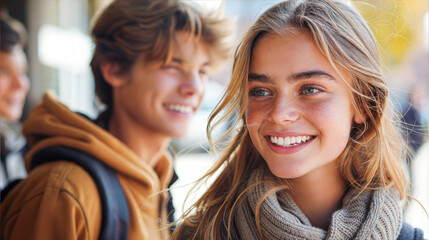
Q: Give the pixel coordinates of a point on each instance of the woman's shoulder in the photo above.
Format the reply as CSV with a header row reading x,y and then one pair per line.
x,y
409,232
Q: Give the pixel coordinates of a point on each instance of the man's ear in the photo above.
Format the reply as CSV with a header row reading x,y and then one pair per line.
x,y
110,72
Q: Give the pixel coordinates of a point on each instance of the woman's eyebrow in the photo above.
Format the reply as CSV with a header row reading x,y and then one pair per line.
x,y
310,74
255,77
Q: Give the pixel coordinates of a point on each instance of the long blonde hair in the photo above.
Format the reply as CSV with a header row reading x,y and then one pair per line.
x,y
373,155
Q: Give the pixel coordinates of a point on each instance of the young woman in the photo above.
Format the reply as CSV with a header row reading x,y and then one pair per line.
x,y
317,154
151,62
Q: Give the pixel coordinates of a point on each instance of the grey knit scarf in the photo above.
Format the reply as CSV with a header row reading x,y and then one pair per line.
x,y
372,215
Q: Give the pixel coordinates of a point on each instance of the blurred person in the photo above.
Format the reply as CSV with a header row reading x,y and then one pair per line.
x,y
14,86
316,154
419,92
416,212
412,126
150,64
414,108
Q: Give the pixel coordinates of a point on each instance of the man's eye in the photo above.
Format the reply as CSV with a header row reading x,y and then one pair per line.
x,y
203,72
258,92
171,67
4,72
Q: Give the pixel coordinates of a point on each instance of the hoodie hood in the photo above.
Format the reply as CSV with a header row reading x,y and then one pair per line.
x,y
53,124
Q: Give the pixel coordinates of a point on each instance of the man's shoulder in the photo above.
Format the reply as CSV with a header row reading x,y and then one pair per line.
x,y
59,193
55,177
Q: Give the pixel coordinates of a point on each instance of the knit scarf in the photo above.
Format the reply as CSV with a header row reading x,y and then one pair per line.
x,y
369,215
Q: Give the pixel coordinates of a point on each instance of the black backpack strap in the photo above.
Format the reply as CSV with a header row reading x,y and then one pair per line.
x,y
115,218
408,232
5,191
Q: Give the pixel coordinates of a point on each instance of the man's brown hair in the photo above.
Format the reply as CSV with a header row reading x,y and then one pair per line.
x,y
128,29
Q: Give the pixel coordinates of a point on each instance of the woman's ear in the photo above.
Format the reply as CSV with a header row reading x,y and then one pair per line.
x,y
110,72
359,118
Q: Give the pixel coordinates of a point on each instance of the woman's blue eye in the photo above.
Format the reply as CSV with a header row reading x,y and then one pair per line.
x,y
258,93
309,90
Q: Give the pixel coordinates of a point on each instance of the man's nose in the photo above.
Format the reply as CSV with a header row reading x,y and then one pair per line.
x,y
192,85
20,81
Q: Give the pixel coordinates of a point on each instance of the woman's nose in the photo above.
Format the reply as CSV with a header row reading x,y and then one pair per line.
x,y
283,110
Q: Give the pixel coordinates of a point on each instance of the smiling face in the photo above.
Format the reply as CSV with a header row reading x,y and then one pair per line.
x,y
14,83
163,99
299,111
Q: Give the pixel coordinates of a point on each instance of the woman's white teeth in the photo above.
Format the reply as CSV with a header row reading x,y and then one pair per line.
x,y
289,141
180,108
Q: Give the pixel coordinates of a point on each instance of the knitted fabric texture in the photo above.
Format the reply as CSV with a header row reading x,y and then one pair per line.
x,y
369,215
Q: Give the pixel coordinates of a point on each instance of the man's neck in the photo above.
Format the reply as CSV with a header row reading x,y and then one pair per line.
x,y
148,145
319,194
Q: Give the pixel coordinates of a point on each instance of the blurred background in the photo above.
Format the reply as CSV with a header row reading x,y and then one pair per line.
x,y
59,50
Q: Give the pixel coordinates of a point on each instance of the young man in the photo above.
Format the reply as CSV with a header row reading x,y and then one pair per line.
x,y
150,66
14,86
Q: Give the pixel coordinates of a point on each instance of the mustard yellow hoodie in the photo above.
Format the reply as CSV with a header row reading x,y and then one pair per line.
x,y
59,200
